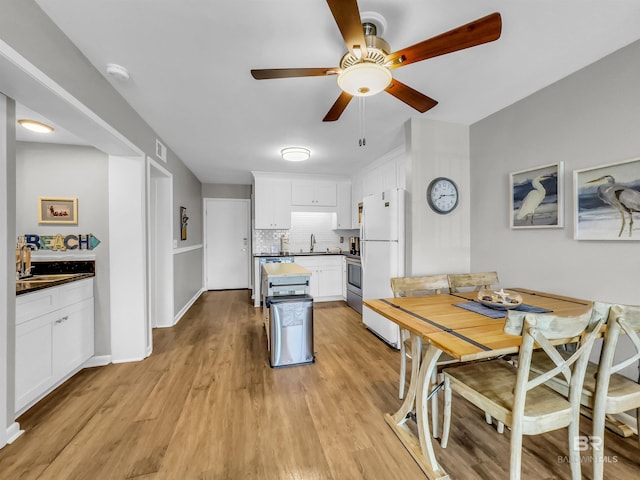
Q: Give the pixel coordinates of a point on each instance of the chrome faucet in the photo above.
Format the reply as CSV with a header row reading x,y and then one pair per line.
x,y
23,262
313,242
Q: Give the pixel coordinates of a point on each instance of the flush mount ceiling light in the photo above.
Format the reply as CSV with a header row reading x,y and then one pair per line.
x,y
35,126
117,71
295,154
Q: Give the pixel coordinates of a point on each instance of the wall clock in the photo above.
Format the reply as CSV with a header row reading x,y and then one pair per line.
x,y
442,195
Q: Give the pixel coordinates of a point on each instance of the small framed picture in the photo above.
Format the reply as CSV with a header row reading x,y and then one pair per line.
x,y
184,220
606,200
536,197
58,210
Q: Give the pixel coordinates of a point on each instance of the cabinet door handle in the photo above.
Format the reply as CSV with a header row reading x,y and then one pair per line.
x,y
63,319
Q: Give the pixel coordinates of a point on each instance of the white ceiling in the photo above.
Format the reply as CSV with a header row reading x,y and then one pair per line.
x,y
190,61
59,134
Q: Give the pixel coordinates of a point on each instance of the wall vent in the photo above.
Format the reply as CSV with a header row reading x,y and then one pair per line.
x,y
161,150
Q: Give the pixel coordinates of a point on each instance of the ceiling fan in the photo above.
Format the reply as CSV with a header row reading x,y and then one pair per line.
x,y
366,68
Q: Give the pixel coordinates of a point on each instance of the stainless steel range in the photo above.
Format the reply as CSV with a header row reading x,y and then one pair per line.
x,y
354,283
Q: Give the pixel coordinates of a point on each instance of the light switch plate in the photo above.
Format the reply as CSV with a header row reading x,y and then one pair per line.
x,y
175,244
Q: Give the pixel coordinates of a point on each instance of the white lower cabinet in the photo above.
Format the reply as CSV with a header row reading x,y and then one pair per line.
x,y
54,337
34,365
326,276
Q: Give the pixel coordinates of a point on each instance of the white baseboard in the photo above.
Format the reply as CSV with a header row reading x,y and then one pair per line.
x,y
97,361
184,309
13,432
127,360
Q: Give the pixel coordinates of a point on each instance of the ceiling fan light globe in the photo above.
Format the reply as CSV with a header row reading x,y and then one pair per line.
x,y
364,79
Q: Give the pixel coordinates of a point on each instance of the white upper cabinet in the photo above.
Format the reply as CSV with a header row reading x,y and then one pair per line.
x,y
343,208
313,194
272,197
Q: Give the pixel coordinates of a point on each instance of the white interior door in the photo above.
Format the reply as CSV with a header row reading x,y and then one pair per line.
x,y
228,252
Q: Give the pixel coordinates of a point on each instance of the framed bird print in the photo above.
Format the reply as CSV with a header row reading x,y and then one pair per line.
x,y
607,201
536,197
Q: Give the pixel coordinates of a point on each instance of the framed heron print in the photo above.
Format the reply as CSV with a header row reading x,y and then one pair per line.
x,y
607,201
536,197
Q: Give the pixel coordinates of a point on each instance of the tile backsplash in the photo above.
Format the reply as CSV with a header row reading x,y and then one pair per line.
x,y
303,224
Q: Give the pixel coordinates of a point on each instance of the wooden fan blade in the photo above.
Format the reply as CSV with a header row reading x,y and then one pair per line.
x,y
293,72
347,16
411,97
338,107
483,30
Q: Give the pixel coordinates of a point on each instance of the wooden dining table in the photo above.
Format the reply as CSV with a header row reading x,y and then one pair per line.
x,y
437,322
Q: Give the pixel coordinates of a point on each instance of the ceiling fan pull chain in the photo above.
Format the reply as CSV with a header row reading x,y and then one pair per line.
x,y
362,141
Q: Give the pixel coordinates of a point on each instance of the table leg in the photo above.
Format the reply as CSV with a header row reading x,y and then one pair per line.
x,y
408,406
421,447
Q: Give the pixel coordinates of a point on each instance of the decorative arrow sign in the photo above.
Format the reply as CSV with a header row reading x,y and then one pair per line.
x,y
62,242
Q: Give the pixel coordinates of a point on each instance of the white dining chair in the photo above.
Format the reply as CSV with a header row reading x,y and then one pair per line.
x,y
460,282
411,287
614,393
525,404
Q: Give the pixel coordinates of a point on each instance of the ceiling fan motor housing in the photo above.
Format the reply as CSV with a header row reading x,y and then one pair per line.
x,y
377,49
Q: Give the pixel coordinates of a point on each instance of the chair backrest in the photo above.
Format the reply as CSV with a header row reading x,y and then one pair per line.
x,y
515,318
623,319
473,281
413,286
540,330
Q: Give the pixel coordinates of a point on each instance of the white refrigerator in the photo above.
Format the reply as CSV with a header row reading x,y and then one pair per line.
x,y
382,245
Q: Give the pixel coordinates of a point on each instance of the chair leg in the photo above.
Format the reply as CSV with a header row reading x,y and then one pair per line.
x,y
434,405
446,420
488,419
515,464
500,428
597,443
403,369
574,453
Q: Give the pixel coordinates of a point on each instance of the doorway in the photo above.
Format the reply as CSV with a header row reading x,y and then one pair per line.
x,y
160,283
227,243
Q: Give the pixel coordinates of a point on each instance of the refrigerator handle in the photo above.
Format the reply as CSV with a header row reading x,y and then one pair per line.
x,y
363,257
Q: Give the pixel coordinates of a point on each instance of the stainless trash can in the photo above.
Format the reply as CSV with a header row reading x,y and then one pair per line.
x,y
291,330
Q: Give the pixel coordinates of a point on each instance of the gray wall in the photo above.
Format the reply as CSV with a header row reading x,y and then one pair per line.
x,y
219,190
184,264
69,171
588,119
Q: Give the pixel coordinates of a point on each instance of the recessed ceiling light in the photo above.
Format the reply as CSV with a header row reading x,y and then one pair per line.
x,y
118,71
295,154
35,126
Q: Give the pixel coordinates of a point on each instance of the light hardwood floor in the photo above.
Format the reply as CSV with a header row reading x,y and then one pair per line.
x,y
206,405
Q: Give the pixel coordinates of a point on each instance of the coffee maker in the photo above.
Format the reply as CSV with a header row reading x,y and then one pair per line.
x,y
354,245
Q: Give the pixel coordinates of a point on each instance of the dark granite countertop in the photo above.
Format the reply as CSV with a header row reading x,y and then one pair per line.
x,y
34,283
47,274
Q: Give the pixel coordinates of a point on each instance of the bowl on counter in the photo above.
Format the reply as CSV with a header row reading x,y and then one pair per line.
x,y
500,299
